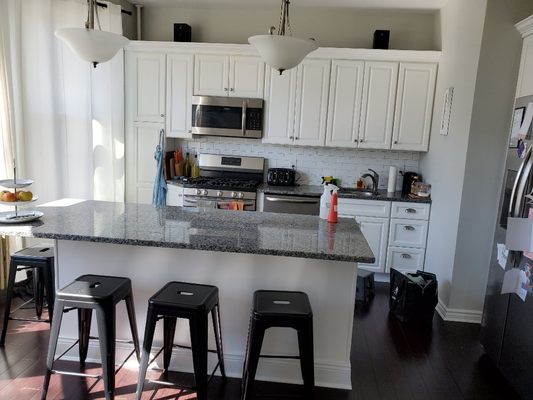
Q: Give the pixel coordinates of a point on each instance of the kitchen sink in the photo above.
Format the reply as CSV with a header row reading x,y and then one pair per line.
x,y
359,192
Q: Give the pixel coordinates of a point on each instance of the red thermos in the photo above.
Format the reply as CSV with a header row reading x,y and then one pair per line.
x,y
332,216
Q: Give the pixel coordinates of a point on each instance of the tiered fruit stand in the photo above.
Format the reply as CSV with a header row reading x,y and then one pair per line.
x,y
18,216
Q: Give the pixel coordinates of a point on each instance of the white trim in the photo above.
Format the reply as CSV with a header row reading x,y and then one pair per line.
x,y
458,315
330,375
525,27
321,53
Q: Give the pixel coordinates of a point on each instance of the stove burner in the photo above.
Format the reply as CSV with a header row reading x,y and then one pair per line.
x,y
221,183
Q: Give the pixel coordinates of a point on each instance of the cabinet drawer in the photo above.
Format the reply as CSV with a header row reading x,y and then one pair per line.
x,y
408,233
404,259
174,195
410,210
363,208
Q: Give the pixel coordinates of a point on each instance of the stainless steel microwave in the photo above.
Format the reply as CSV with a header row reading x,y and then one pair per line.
x,y
227,116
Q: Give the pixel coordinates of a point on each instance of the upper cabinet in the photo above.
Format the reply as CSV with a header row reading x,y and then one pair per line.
x,y
525,78
223,75
145,86
377,113
179,95
414,105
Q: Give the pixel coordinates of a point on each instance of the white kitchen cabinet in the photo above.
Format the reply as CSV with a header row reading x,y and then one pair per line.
x,y
174,195
145,86
410,210
414,106
405,259
179,95
364,208
377,111
141,141
376,231
228,75
525,77
279,107
408,233
345,98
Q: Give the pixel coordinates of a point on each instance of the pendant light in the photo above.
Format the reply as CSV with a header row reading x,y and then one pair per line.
x,y
95,46
282,51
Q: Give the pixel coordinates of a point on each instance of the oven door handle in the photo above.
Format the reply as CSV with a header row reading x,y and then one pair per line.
x,y
289,200
244,112
249,203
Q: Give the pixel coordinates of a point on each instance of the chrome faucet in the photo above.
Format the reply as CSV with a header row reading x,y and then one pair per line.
x,y
375,179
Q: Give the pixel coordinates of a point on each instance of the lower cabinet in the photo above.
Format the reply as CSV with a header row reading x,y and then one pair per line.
x,y
174,195
376,231
405,259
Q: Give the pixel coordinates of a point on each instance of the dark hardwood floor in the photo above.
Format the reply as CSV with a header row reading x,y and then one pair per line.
x,y
390,360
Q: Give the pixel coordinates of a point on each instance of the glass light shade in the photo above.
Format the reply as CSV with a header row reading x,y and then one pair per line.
x,y
282,52
92,45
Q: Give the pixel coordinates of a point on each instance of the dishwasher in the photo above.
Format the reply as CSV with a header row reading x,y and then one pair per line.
x,y
308,205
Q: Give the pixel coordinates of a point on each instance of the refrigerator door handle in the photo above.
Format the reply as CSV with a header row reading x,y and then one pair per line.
x,y
524,178
518,179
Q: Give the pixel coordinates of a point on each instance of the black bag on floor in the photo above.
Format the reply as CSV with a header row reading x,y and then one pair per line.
x,y
414,296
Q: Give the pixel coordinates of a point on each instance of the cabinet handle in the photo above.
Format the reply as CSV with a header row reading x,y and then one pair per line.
x,y
162,115
407,256
409,228
232,89
225,89
296,138
410,210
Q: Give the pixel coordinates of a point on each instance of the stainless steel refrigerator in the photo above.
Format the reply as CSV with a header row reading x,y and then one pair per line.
x,y
507,325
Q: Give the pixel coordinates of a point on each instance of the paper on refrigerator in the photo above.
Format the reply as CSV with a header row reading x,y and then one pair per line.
x,y
513,282
526,123
502,254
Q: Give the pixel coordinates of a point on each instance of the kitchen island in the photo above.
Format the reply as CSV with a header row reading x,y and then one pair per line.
x,y
239,252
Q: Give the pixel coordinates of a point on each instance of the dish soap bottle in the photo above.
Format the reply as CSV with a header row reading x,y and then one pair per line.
x,y
187,167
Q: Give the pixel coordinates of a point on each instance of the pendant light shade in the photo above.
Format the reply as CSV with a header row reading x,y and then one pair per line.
x,y
92,45
282,51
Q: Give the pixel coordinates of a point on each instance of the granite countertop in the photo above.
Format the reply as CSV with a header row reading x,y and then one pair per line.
x,y
210,230
317,190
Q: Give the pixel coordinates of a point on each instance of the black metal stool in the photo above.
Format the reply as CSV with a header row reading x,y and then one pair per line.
x,y
101,294
189,301
40,259
274,308
365,288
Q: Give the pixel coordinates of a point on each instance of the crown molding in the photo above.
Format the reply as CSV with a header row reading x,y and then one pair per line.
x,y
525,27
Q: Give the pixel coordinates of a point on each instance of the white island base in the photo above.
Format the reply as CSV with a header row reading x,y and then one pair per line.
x,y
330,286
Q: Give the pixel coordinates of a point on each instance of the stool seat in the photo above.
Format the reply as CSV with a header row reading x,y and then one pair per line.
x,y
99,288
35,253
186,295
276,303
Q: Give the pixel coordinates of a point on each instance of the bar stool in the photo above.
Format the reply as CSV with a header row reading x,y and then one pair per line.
x,y
272,308
365,288
188,301
40,259
101,294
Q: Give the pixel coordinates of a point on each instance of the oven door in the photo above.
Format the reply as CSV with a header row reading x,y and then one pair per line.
x,y
218,203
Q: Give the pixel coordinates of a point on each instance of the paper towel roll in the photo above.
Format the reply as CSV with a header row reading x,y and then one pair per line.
x,y
393,174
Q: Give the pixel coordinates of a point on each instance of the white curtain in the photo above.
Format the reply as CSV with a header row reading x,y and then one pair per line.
x,y
69,116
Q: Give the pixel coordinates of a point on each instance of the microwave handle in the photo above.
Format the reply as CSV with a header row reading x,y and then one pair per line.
x,y
244,112
515,204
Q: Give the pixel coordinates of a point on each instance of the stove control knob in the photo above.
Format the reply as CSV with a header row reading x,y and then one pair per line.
x,y
219,193
198,192
204,192
240,195
233,194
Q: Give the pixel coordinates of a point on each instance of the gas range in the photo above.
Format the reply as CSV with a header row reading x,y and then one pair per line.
x,y
224,180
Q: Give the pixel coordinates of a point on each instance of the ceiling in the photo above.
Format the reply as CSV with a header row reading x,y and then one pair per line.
x,y
389,4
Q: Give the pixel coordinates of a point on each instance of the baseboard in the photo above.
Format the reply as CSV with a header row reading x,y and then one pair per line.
x,y
458,315
329,375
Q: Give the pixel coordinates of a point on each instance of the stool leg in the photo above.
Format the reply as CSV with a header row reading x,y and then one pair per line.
x,y
49,284
307,363
9,297
84,331
255,341
133,325
106,332
215,314
54,336
38,291
169,331
149,329
198,328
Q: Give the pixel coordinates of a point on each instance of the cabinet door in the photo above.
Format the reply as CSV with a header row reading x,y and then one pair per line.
x,y
145,85
525,79
179,95
414,106
375,231
247,77
405,259
211,73
312,102
174,195
279,107
141,141
377,113
344,111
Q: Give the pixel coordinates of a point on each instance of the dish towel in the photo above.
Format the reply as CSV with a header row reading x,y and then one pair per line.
x,y
159,196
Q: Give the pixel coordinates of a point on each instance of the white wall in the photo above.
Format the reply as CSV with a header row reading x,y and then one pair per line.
x,y
444,165
331,27
311,162
489,132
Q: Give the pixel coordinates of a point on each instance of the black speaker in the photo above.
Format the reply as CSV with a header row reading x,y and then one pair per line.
x,y
381,39
182,33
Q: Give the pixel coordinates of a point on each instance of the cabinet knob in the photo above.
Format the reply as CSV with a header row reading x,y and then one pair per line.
x,y
190,130
395,142
225,89
162,115
232,90
291,137
296,138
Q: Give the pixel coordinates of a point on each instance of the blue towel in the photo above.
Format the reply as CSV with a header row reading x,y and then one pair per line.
x,y
159,197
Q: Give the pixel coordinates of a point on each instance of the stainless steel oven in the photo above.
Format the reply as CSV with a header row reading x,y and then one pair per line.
x,y
227,116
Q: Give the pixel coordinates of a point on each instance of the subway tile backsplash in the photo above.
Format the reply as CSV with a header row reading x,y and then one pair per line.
x,y
311,163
